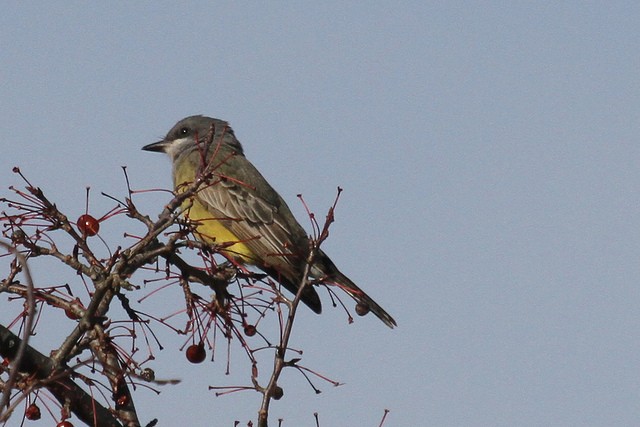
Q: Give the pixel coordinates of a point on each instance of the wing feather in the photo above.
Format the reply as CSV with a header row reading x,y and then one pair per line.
x,y
257,215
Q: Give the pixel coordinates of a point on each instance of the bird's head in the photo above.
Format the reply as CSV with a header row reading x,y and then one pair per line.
x,y
193,130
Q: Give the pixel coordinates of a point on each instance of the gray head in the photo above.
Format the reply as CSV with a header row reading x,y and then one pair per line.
x,y
183,134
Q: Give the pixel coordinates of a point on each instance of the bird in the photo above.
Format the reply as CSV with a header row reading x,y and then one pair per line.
x,y
240,212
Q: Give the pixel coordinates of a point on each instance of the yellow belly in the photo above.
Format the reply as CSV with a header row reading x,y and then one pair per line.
x,y
210,230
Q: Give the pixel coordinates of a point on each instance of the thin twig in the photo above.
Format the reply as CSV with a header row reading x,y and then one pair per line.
x,y
31,309
270,391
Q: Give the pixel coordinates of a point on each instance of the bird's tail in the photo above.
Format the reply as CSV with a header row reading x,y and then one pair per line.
x,y
365,303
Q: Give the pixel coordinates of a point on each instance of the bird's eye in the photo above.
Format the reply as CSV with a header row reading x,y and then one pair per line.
x,y
184,131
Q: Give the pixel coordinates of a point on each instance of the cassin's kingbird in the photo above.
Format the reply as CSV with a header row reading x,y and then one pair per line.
x,y
238,209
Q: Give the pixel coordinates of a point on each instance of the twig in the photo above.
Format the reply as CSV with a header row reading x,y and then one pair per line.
x,y
65,390
273,390
31,308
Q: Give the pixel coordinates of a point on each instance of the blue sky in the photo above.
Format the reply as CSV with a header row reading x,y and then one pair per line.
x,y
489,156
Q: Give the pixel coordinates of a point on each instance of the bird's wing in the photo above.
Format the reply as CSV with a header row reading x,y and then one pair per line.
x,y
244,202
254,212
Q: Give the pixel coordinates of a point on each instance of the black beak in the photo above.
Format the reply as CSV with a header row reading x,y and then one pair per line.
x,y
159,146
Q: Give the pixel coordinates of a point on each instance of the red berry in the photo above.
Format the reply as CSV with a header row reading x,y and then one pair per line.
x,y
18,236
278,392
362,309
88,225
249,330
196,353
70,313
64,423
148,374
122,401
33,412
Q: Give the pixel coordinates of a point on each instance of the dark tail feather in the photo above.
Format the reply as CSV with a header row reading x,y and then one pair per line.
x,y
365,302
311,298
309,295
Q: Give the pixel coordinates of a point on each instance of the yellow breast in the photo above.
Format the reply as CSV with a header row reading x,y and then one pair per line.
x,y
208,228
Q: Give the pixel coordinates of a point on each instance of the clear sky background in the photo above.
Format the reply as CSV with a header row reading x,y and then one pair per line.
x,y
491,165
